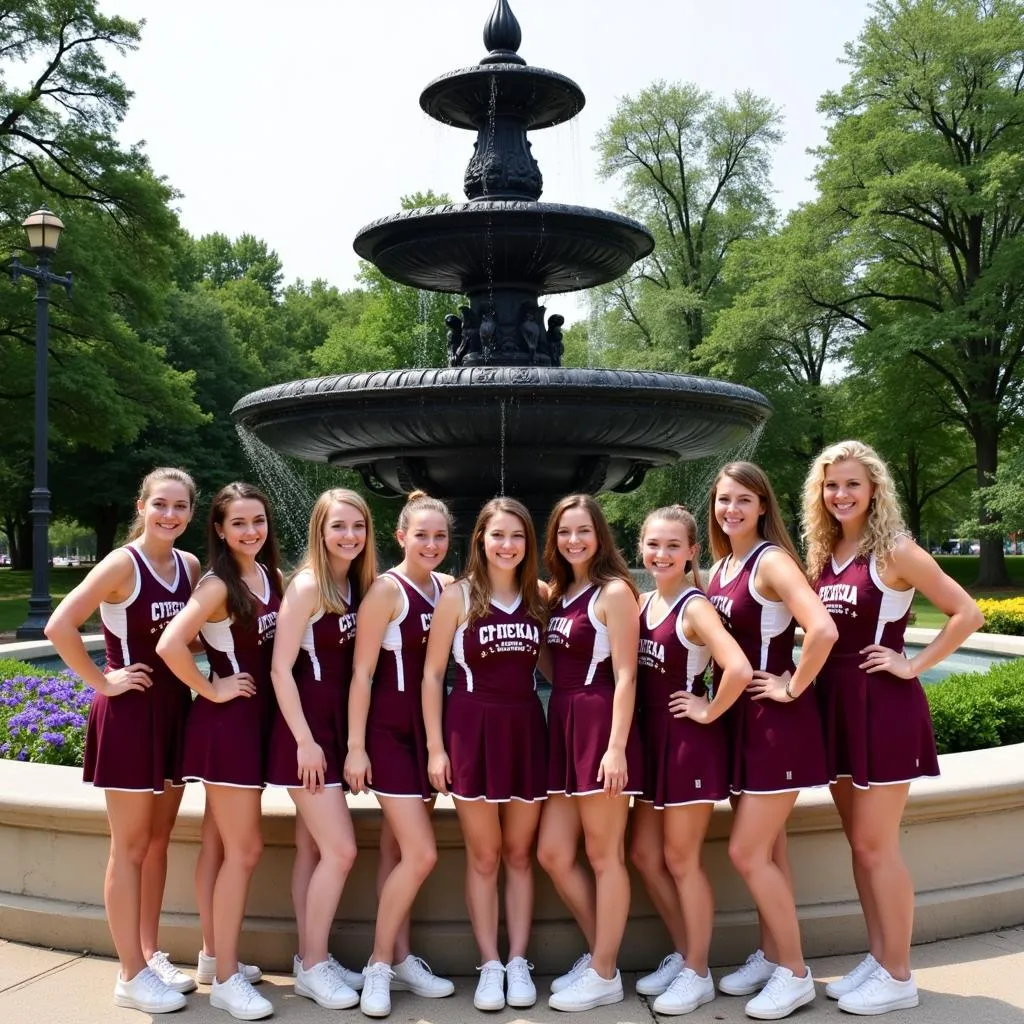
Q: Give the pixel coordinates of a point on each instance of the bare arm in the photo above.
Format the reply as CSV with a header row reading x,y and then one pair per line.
x,y
618,609
449,613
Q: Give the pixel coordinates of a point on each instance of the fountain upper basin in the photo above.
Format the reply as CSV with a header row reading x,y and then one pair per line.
x,y
473,432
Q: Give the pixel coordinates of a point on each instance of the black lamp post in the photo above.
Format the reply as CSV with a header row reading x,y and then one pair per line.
x,y
43,229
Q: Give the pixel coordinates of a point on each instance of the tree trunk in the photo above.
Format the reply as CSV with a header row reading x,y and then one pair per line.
x,y
992,564
19,534
105,522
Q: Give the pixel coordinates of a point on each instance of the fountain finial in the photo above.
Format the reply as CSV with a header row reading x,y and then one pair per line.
x,y
502,36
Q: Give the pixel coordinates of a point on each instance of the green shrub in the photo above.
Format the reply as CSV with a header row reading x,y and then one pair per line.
x,y
971,711
1004,616
9,668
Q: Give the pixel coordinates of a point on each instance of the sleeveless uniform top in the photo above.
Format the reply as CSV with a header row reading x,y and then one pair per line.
x,y
668,661
327,648
404,647
579,645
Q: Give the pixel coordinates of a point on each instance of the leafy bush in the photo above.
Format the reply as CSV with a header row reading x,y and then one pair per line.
x,y
42,718
1006,617
971,711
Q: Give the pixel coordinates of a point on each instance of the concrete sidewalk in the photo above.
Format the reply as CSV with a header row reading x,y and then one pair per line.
x,y
975,980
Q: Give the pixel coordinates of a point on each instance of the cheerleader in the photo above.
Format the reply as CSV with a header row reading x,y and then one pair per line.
x,y
234,612
866,569
135,732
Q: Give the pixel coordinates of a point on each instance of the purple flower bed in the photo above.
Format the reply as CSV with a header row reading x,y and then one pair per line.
x,y
42,717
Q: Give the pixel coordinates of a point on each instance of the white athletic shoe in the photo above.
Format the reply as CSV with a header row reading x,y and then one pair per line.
x,y
565,980
521,990
588,991
146,992
490,989
414,975
687,991
375,1000
750,978
206,970
880,993
354,979
324,984
782,995
659,980
240,999
160,964
848,982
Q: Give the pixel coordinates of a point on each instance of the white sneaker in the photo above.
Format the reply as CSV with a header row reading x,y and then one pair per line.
x,y
880,993
375,1000
206,970
160,964
687,991
588,991
414,975
354,979
240,999
657,982
521,990
565,980
490,989
848,982
750,978
324,984
148,993
782,995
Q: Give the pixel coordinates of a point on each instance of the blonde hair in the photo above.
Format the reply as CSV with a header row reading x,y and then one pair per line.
x,y
770,524
884,525
675,514
363,570
420,501
149,481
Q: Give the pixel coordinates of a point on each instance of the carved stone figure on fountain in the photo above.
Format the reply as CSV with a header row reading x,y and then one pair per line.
x,y
454,338
470,336
530,330
488,329
555,346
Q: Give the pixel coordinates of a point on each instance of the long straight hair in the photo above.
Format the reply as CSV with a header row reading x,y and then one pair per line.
x,y
607,564
770,525
241,602
363,570
158,476
477,576
676,514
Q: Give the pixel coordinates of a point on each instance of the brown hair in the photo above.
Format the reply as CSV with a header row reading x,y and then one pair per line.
x,y
675,514
151,479
363,570
526,571
770,525
240,601
606,565
420,501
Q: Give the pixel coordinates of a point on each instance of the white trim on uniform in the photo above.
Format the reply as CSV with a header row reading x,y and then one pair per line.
x,y
775,618
895,603
602,645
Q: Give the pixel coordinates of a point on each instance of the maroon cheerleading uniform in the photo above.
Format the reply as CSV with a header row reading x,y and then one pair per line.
x,y
134,742
494,729
226,744
396,739
322,674
777,746
582,695
684,762
878,729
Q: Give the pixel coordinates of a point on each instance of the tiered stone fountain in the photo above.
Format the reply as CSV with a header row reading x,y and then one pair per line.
x,y
504,416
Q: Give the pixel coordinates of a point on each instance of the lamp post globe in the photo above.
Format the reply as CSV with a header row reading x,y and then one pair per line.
x,y
43,229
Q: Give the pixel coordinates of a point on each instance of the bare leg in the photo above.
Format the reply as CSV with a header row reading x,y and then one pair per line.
x,y
843,793
327,818
604,833
236,813
306,857
390,855
154,867
208,863
131,822
685,828
411,830
481,831
647,853
519,823
557,845
759,819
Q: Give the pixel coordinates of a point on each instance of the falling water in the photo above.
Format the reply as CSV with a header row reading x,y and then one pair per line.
x,y
501,450
423,331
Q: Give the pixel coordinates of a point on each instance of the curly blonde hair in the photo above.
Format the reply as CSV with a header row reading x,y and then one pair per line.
x,y
821,529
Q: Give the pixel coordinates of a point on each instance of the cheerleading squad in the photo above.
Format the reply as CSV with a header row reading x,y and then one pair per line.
x,y
336,683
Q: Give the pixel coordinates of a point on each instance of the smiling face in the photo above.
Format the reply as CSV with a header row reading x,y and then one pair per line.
x,y
166,511
577,538
244,527
425,540
737,509
504,541
666,549
344,531
847,491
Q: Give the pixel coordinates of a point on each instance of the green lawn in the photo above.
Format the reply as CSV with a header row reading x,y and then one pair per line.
x,y
15,588
964,569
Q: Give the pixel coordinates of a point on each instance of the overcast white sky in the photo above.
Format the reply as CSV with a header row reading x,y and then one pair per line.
x,y
299,122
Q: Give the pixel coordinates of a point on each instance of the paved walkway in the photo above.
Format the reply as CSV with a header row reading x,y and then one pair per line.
x,y
975,980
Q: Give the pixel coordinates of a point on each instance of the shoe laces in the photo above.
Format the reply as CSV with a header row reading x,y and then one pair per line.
x,y
518,969
776,983
582,963
669,963
683,981
152,981
240,984
865,968
161,966
377,977
755,959
491,972
417,965
874,981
